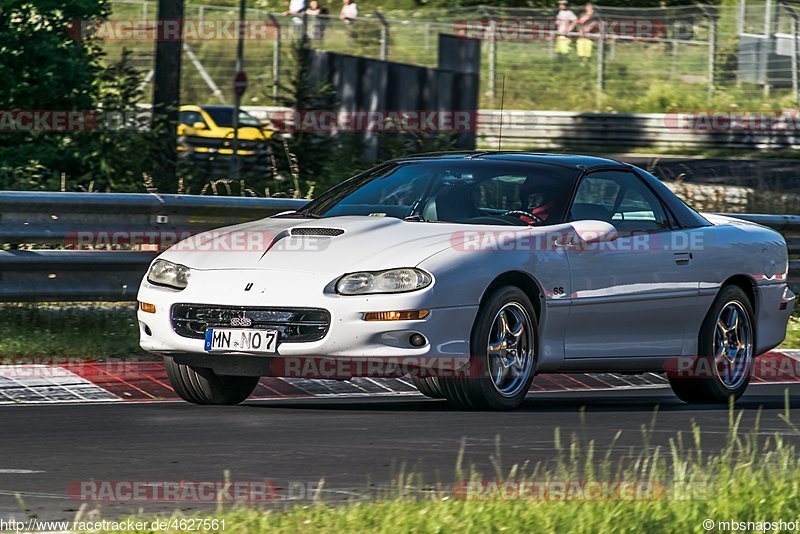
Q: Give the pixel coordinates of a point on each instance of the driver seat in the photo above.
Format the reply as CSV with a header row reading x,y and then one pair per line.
x,y
452,203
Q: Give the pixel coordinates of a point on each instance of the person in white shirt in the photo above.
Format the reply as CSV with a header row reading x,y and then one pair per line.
x,y
349,12
566,19
295,7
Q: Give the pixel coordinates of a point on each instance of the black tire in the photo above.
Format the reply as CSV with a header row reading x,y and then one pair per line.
x,y
472,388
428,386
702,380
200,385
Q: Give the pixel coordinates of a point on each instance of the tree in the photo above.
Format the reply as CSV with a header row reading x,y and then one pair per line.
x,y
309,153
45,64
104,155
51,61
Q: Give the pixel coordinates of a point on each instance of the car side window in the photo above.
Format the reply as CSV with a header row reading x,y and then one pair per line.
x,y
621,199
190,117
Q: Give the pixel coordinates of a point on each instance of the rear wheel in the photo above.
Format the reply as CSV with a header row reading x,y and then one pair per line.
x,y
200,385
428,387
503,346
725,352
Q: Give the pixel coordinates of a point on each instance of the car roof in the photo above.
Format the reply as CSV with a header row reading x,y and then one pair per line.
x,y
575,161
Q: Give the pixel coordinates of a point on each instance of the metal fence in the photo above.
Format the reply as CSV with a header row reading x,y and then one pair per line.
x,y
121,227
632,59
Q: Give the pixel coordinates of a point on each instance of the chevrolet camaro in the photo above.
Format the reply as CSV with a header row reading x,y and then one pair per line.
x,y
472,273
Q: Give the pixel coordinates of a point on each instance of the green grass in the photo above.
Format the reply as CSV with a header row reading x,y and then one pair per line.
x,y
792,340
79,330
755,477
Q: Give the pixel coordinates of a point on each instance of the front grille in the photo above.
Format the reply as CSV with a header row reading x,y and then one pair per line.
x,y
294,325
318,232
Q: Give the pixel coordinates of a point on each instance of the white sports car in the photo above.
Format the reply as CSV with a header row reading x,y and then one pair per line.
x,y
472,272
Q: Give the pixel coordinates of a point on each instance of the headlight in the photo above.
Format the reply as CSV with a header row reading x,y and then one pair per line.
x,y
166,273
391,281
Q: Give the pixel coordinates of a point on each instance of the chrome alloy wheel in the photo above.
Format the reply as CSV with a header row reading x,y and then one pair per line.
x,y
733,345
510,349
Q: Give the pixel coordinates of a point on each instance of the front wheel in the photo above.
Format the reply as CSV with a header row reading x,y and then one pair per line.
x,y
725,352
428,386
200,385
503,360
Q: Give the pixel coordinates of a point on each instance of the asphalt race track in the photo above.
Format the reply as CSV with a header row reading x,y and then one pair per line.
x,y
353,443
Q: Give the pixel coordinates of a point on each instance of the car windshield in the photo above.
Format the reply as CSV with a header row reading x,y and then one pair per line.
x,y
223,117
464,191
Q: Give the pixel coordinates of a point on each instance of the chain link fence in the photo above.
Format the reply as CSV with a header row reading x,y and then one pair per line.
x,y
680,58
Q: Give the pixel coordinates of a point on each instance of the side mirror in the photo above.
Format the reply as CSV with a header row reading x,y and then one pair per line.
x,y
200,126
594,231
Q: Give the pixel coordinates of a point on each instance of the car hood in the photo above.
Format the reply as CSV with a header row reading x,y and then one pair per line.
x,y
331,245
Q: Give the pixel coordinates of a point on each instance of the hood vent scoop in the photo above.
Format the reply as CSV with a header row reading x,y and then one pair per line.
x,y
304,231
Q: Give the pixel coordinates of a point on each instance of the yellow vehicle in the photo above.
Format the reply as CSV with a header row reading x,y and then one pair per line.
x,y
206,132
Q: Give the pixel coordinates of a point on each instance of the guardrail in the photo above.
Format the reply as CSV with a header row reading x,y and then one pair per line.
x,y
61,220
65,220
556,130
617,131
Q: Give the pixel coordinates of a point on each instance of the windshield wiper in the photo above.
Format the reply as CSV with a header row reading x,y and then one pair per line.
x,y
415,218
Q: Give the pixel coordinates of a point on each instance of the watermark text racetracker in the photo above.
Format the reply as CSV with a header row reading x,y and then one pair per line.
x,y
205,29
527,239
209,491
770,367
288,121
193,491
67,121
523,29
735,121
185,241
559,490
533,240
399,121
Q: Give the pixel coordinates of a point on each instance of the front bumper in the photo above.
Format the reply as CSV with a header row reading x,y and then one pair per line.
x,y
446,329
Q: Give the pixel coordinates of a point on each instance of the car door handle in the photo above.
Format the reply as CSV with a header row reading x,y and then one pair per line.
x,y
682,258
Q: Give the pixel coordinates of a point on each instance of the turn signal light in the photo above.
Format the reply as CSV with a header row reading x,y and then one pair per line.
x,y
410,315
147,308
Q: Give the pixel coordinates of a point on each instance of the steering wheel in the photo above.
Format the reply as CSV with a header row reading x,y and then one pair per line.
x,y
536,218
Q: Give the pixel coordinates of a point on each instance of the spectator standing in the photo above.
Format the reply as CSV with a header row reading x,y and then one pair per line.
x,y
565,23
313,8
319,19
565,19
588,25
589,21
349,12
296,7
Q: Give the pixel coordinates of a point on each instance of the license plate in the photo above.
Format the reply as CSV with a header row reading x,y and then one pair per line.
x,y
241,340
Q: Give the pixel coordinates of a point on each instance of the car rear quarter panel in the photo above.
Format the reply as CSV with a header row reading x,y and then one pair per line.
x,y
735,248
